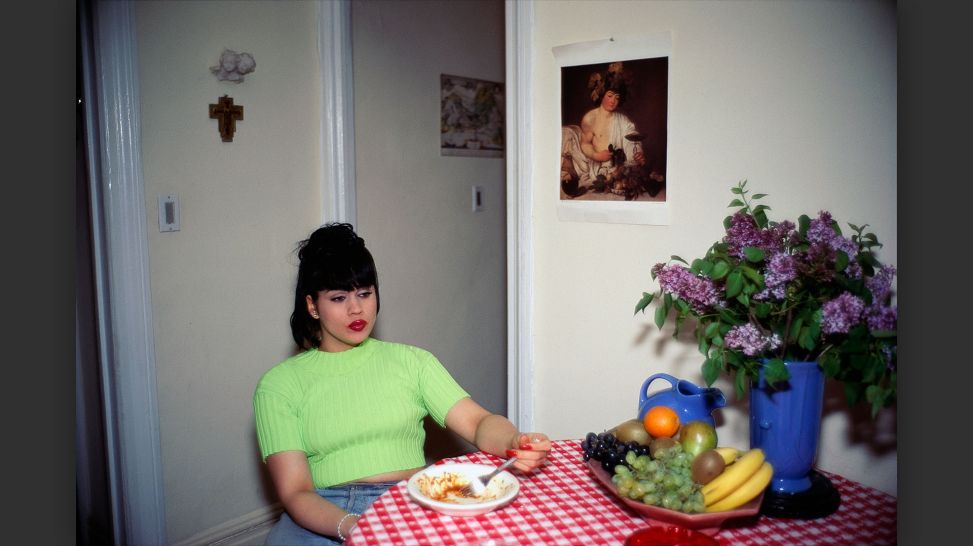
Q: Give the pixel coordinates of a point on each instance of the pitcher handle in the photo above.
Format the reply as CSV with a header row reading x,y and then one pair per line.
x,y
644,393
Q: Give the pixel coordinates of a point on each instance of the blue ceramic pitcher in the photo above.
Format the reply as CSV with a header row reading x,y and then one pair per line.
x,y
690,401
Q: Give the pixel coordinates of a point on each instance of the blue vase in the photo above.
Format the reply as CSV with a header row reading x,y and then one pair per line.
x,y
785,421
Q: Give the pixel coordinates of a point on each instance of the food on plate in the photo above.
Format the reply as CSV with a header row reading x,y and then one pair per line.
x,y
448,486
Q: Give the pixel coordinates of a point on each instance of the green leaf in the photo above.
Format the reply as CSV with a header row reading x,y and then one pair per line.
x,y
775,371
753,275
754,254
660,316
740,381
840,260
763,309
736,203
744,299
761,217
760,208
853,392
682,306
643,303
711,370
830,364
803,222
759,196
711,329
805,339
737,190
734,283
720,269
678,259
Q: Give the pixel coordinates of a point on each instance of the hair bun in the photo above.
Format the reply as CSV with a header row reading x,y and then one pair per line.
x,y
329,240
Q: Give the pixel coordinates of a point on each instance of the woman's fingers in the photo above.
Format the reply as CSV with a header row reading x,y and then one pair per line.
x,y
532,452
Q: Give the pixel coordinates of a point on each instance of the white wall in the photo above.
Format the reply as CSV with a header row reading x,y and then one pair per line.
x,y
442,267
797,97
222,286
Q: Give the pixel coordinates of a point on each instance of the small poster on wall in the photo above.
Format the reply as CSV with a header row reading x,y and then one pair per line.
x,y
472,115
614,145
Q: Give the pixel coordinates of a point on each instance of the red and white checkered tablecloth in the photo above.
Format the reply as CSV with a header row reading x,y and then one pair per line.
x,y
563,504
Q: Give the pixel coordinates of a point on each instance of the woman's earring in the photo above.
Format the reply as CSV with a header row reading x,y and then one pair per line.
x,y
315,315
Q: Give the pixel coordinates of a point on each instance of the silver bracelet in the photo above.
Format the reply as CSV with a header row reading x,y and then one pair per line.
x,y
342,520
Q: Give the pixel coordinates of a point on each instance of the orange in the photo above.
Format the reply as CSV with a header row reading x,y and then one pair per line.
x,y
661,422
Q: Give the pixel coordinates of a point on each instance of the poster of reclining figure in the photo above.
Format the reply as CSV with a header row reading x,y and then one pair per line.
x,y
614,133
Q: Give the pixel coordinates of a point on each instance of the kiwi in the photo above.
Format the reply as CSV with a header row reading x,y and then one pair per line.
x,y
707,465
662,442
632,430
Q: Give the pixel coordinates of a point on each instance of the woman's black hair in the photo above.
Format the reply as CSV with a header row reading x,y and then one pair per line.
x,y
334,257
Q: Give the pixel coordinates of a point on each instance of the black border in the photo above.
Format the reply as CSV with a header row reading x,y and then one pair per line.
x,y
38,256
933,462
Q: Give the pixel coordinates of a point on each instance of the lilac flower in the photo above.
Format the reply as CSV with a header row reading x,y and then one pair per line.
x,y
699,292
887,353
750,340
781,269
882,317
841,313
743,232
820,229
881,284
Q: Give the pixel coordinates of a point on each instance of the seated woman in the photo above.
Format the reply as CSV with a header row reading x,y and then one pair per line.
x,y
341,422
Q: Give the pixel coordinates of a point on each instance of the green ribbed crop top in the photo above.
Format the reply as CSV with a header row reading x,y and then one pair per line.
x,y
356,413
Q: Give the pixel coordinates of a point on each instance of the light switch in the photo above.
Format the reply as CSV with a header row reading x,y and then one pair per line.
x,y
168,213
477,198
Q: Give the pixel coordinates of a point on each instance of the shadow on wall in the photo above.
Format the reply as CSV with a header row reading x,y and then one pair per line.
x,y
878,433
266,484
442,443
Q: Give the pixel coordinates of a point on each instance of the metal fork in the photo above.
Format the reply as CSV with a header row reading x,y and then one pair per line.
x,y
478,485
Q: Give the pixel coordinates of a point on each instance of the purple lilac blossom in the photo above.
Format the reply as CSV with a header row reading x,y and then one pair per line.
x,y
820,230
841,313
887,352
882,317
699,292
781,269
743,232
750,340
881,284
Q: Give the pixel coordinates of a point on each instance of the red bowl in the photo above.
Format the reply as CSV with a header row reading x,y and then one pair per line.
x,y
669,536
708,523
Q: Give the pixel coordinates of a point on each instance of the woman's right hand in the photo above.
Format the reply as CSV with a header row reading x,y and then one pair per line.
x,y
531,450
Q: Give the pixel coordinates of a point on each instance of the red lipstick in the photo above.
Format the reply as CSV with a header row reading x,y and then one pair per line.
x,y
358,325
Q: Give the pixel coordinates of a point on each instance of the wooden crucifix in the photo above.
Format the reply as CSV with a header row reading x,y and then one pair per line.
x,y
227,114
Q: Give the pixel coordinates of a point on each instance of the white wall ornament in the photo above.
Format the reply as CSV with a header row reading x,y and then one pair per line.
x,y
233,66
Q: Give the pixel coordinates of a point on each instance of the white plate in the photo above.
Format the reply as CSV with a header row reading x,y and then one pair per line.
x,y
505,486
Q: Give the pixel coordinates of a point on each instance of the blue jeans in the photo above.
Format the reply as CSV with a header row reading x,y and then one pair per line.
x,y
356,497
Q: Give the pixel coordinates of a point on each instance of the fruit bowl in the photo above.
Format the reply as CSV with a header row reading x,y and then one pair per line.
x,y
708,523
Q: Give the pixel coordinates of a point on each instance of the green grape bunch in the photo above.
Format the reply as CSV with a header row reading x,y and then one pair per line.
x,y
665,480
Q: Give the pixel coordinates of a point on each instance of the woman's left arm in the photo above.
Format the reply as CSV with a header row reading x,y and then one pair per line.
x,y
495,434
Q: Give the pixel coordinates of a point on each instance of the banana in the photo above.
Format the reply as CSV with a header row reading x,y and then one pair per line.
x,y
729,454
747,491
733,476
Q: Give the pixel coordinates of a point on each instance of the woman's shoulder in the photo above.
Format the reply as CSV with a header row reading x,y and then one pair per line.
x,y
285,372
403,351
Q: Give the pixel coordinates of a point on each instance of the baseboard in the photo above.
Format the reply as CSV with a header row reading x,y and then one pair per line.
x,y
247,530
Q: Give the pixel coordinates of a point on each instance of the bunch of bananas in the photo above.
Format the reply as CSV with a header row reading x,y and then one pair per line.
x,y
744,478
